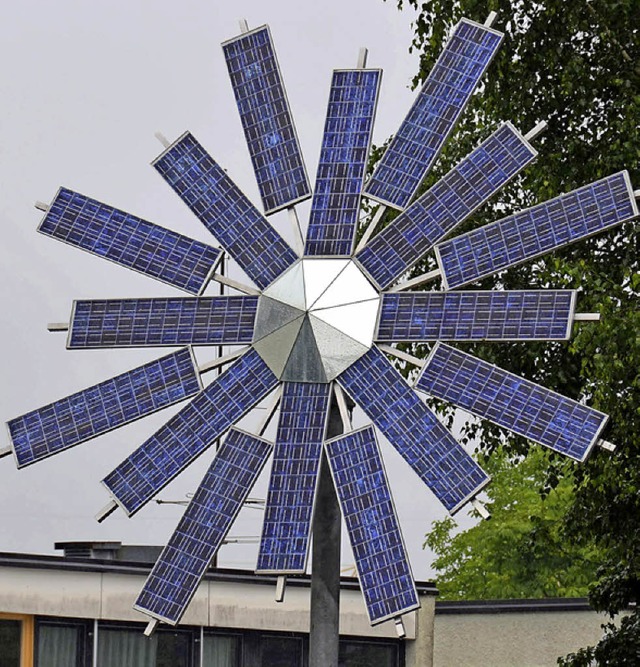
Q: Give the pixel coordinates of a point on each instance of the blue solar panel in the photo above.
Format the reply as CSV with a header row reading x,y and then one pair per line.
x,y
365,498
296,460
218,203
103,407
188,433
434,114
512,402
343,159
266,119
443,207
433,453
178,571
505,315
130,241
214,320
536,231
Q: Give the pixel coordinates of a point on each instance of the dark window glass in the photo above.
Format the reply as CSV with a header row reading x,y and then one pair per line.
x,y
118,647
363,654
281,651
173,649
58,646
221,651
10,632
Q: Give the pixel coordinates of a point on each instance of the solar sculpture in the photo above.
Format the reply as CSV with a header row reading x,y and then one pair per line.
x,y
322,320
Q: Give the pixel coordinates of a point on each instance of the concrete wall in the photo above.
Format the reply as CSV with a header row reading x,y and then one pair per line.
x,y
110,596
512,638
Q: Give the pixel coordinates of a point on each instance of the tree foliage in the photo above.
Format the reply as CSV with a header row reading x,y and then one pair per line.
x,y
522,552
577,66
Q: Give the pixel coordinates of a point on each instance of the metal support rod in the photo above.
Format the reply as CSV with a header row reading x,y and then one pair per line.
x,y
230,282
490,19
586,317
362,58
636,194
371,228
162,139
480,508
297,232
419,280
281,584
536,130
41,206
405,356
605,444
270,411
342,407
106,511
151,627
58,326
244,25
220,361
325,572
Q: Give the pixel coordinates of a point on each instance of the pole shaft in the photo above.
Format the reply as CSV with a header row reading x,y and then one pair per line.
x,y
325,564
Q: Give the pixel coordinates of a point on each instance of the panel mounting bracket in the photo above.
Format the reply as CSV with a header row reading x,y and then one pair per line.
x,y
281,584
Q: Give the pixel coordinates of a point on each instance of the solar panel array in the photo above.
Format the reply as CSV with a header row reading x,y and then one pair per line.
x,y
266,119
427,446
343,160
374,532
130,241
150,322
537,230
103,407
294,474
443,207
505,315
189,432
220,205
176,575
416,145
512,402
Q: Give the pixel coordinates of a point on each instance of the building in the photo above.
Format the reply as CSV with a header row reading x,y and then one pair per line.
x,y
76,611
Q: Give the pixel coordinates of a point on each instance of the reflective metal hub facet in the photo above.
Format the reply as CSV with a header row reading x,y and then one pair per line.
x,y
316,320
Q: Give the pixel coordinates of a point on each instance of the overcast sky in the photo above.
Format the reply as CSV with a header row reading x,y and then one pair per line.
x,y
84,86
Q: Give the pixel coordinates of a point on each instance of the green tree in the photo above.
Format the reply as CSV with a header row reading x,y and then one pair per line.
x,y
577,66
522,552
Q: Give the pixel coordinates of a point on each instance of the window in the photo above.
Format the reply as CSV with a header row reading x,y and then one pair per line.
x,y
16,640
367,654
63,643
281,651
10,635
129,647
221,651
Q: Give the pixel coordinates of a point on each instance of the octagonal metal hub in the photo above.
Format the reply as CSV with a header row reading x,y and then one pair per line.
x,y
316,319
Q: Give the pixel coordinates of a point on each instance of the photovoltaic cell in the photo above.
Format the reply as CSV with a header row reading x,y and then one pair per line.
x,y
103,407
512,402
130,241
214,320
220,205
296,459
505,315
416,145
266,119
188,433
343,159
433,453
469,185
178,572
537,230
374,532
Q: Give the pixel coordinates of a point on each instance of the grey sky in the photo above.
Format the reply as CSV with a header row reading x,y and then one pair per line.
x,y
84,86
